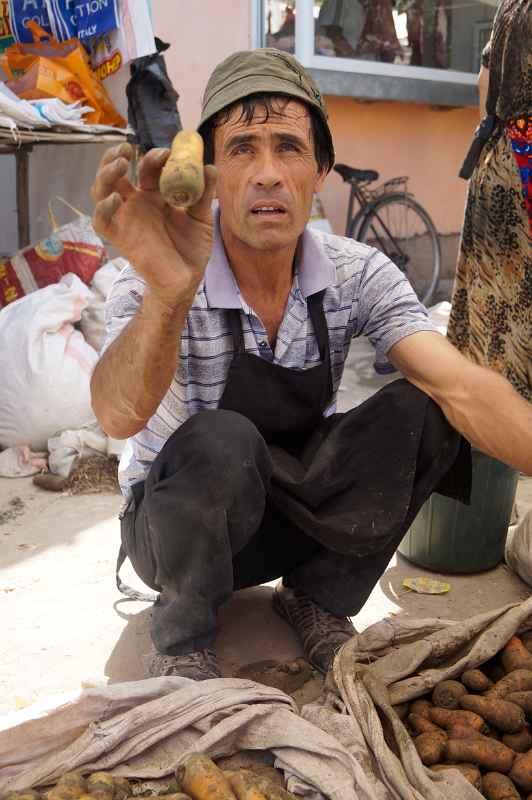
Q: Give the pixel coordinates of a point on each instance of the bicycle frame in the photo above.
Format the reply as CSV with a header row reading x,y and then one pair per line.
x,y
370,221
365,207
400,260
355,193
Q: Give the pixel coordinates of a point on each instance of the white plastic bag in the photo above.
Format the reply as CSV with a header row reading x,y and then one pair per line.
x,y
70,446
518,551
45,365
21,462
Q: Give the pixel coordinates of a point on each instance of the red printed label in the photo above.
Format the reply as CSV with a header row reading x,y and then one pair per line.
x,y
109,66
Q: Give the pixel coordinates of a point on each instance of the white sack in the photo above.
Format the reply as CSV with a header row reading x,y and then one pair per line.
x,y
93,316
45,365
518,550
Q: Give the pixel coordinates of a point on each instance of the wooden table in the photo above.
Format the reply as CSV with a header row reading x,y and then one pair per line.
x,y
20,144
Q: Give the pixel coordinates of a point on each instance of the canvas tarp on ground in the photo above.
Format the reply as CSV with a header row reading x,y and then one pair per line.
x,y
335,748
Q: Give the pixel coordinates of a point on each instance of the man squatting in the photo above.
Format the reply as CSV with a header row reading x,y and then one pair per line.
x,y
227,338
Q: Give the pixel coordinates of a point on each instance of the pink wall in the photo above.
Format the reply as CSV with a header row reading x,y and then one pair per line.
x,y
402,139
201,35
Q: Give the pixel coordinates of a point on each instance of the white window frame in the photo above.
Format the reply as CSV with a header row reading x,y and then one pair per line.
x,y
304,52
256,31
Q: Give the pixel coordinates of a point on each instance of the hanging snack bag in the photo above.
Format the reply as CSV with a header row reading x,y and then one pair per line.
x,y
6,34
24,11
131,40
82,19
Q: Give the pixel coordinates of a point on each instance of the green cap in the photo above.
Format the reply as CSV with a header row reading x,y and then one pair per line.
x,y
263,70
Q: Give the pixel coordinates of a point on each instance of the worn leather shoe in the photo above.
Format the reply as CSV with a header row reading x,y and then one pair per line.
x,y
321,633
201,665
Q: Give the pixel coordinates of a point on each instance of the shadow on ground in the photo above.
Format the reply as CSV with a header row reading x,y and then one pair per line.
x,y
250,631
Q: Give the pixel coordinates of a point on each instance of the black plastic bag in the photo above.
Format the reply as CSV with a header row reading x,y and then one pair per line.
x,y
152,101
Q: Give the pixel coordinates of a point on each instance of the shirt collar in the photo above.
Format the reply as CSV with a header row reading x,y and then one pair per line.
x,y
315,271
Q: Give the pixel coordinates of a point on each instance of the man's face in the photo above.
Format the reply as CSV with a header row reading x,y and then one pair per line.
x,y
267,175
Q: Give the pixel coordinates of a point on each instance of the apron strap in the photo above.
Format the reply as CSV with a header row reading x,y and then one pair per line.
x,y
317,315
237,333
131,594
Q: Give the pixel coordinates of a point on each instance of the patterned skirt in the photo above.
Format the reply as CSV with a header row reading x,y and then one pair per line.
x,y
491,319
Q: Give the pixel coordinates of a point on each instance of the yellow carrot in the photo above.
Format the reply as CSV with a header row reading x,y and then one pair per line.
x,y
182,181
203,780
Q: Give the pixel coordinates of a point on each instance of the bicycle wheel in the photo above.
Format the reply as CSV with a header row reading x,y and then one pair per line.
x,y
400,228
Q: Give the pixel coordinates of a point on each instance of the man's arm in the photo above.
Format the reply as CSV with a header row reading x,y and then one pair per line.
x,y
483,83
484,79
169,249
478,402
136,371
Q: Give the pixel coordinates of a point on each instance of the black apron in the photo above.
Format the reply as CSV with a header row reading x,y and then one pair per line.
x,y
351,481
285,405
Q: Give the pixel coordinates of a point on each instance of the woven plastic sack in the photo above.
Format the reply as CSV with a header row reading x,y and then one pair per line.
x,y
73,248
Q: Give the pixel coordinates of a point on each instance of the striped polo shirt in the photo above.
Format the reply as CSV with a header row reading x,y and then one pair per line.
x,y
365,295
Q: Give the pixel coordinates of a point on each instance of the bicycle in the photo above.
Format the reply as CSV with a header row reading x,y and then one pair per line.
x,y
389,219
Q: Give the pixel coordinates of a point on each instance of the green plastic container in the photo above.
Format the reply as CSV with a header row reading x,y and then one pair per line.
x,y
448,536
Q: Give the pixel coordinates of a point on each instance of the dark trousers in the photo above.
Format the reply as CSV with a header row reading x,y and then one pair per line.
x,y
207,522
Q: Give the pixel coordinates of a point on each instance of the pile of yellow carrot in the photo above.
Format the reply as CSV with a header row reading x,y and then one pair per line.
x,y
197,779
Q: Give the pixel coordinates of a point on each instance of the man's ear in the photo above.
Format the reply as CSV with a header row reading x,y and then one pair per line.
x,y
320,180
211,163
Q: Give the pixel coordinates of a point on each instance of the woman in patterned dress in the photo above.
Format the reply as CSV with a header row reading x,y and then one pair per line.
x,y
491,320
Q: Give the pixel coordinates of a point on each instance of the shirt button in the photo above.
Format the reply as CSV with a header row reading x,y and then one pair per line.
x,y
263,345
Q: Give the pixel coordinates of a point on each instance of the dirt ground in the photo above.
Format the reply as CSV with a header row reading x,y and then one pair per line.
x,y
65,624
